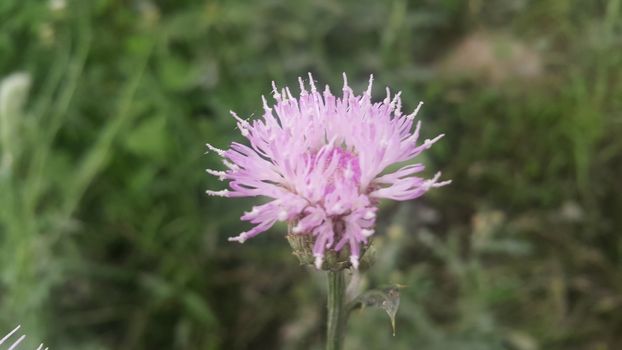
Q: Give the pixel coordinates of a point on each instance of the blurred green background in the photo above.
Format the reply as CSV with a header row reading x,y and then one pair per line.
x,y
107,240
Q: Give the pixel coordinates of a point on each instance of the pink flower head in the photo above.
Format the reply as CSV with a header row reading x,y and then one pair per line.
x,y
320,161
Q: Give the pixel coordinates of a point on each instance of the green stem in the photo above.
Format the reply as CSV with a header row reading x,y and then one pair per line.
x,y
336,310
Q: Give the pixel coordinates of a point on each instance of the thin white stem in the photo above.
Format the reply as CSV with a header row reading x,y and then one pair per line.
x,y
9,335
17,342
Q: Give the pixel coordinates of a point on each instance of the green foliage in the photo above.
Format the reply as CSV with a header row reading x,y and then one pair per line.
x,y
106,238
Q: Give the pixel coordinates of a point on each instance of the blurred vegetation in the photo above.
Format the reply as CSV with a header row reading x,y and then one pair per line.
x,y
107,240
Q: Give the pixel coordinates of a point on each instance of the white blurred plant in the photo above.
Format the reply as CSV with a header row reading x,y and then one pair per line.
x,y
16,343
13,93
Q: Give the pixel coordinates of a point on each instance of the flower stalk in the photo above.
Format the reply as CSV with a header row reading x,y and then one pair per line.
x,y
336,310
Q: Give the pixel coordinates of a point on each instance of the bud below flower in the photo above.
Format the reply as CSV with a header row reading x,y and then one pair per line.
x,y
302,248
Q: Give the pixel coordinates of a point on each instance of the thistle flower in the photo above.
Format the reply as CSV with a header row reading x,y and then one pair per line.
x,y
321,160
18,341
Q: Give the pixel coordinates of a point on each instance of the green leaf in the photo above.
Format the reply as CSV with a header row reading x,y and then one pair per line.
x,y
149,138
